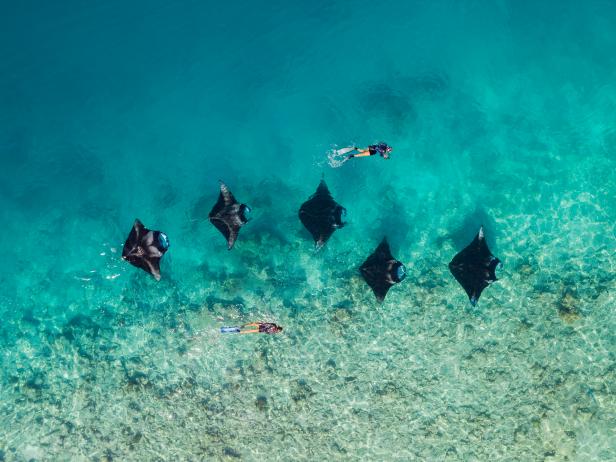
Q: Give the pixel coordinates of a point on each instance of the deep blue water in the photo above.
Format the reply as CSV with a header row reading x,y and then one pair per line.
x,y
500,113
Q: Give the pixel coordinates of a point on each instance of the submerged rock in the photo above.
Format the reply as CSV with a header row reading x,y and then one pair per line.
x,y
79,323
567,306
37,381
261,403
134,375
302,391
230,452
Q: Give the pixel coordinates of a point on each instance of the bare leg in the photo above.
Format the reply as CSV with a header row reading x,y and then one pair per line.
x,y
362,153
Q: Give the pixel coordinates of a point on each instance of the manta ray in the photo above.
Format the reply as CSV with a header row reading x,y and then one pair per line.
x,y
228,215
381,270
144,248
474,267
321,215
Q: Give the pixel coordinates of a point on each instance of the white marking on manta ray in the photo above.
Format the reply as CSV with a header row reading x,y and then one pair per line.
x,y
148,238
226,194
136,228
154,252
137,251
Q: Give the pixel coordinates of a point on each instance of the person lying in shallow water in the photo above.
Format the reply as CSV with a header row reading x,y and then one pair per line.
x,y
382,149
254,328
340,156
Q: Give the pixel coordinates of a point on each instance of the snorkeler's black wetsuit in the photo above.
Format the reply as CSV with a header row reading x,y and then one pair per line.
x,y
268,328
380,148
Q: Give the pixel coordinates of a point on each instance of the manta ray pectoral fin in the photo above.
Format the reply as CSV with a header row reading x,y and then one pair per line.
x,y
134,238
319,243
231,240
148,239
226,195
154,252
138,227
227,229
380,297
322,189
154,270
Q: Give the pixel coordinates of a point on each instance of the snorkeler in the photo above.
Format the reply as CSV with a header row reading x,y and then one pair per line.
x,y
381,148
261,328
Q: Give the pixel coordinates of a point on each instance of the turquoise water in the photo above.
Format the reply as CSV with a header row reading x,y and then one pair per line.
x,y
500,113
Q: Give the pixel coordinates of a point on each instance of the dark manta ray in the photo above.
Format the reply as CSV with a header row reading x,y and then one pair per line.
x,y
321,215
228,215
144,248
381,270
474,267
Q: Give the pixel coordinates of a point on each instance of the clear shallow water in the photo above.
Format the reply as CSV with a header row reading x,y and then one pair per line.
x,y
501,114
